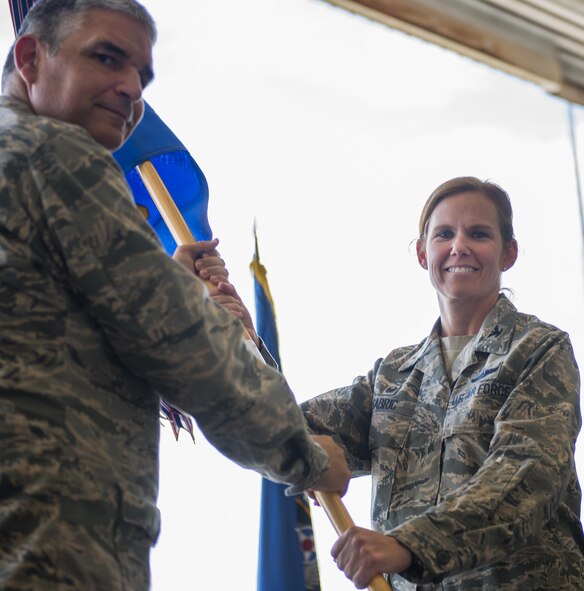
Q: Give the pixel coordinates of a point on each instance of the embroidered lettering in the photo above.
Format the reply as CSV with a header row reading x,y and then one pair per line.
x,y
490,389
460,398
494,389
384,403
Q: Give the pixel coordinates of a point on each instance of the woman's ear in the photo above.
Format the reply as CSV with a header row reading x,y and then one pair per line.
x,y
509,255
421,252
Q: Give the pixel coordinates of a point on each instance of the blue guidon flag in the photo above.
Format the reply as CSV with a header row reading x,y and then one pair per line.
x,y
287,556
152,140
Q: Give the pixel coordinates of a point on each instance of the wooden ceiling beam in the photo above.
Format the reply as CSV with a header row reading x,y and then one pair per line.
x,y
515,36
540,15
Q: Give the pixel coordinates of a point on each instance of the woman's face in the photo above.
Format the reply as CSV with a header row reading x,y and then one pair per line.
x,y
463,250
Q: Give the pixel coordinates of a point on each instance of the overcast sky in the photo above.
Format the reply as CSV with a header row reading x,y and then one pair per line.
x,y
331,131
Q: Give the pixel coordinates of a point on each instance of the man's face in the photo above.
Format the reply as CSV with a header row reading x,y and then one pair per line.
x,y
96,77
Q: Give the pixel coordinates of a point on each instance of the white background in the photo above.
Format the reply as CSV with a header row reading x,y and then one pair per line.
x,y
332,131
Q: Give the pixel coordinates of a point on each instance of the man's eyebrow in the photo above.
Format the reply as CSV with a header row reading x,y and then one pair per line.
x,y
109,46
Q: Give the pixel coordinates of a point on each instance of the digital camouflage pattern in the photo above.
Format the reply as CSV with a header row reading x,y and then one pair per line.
x,y
96,322
476,476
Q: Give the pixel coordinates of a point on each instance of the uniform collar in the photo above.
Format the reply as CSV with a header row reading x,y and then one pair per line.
x,y
497,329
494,336
15,104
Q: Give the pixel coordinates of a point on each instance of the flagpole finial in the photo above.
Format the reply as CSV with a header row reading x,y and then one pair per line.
x,y
256,256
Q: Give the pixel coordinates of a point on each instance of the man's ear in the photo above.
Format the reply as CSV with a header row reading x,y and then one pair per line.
x,y
27,51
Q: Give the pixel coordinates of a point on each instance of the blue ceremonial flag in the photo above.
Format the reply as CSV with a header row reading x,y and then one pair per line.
x,y
287,556
152,140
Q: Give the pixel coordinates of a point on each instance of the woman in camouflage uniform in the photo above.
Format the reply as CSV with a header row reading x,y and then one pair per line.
x,y
469,436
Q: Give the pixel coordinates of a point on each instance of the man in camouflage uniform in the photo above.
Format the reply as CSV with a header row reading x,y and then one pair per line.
x,y
96,322
474,475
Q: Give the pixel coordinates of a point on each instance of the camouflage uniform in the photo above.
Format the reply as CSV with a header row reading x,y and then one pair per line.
x,y
476,476
96,322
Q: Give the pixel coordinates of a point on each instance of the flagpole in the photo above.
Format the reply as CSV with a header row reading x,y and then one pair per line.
x,y
175,222
330,502
164,203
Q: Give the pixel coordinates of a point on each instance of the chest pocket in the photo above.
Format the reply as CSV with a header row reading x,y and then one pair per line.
x,y
469,427
392,411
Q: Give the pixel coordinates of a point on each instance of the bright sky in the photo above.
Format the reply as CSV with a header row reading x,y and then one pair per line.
x,y
332,131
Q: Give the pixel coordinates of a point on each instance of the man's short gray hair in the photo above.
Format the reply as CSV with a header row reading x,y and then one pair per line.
x,y
53,21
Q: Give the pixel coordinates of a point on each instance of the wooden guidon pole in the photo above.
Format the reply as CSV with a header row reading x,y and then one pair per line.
x,y
341,520
164,203
174,221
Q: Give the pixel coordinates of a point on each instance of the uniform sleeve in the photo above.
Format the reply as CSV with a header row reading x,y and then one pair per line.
x,y
345,415
159,320
523,480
